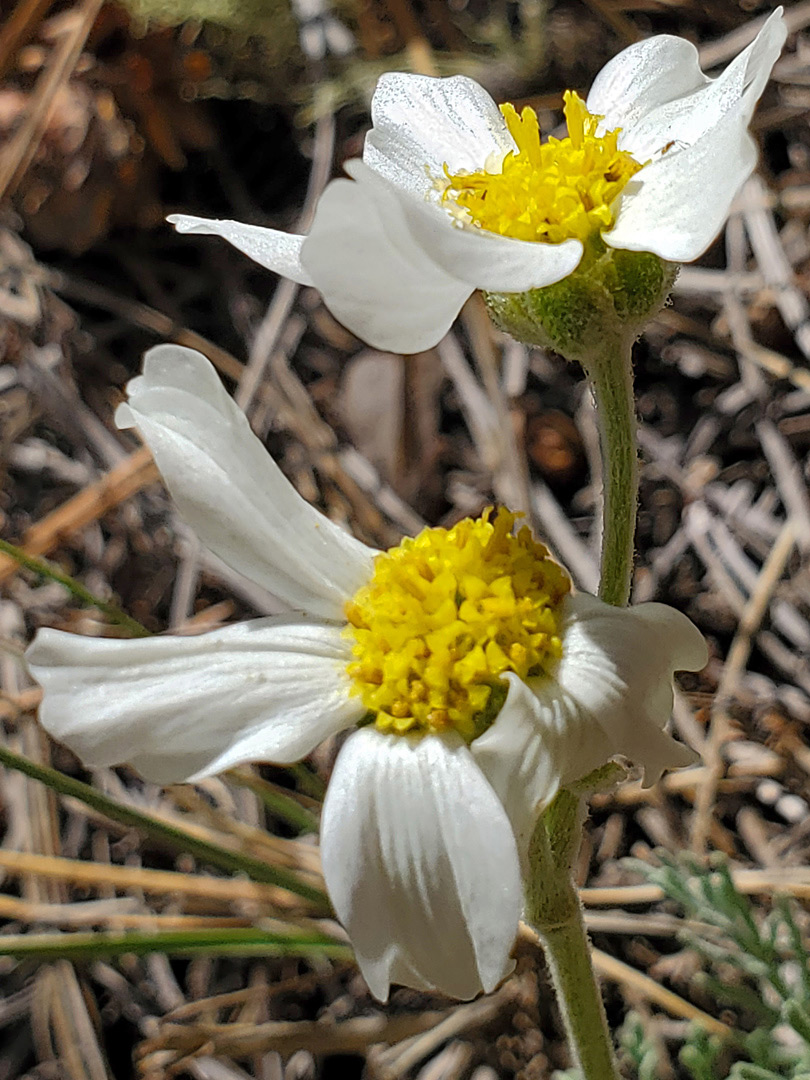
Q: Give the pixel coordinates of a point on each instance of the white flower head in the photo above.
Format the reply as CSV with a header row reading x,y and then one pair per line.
x,y
453,194
478,684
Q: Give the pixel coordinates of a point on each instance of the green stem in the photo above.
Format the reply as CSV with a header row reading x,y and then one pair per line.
x,y
554,910
47,570
568,955
611,376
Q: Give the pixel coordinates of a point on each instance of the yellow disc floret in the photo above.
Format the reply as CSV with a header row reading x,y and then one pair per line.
x,y
445,615
550,191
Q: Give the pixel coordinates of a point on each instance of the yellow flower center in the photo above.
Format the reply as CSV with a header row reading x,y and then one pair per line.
x,y
445,615
550,191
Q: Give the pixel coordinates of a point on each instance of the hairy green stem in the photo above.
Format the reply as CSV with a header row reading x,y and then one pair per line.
x,y
611,376
554,910
568,955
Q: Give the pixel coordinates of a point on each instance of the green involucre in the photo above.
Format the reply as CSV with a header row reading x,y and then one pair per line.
x,y
610,295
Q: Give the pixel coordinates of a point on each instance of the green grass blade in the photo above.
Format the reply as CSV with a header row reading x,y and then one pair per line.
x,y
176,838
279,804
47,570
203,942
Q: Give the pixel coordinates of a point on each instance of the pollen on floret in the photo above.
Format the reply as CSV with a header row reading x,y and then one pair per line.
x,y
549,192
443,618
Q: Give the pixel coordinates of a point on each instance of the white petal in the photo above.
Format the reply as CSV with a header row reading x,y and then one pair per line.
x,y
529,750
373,275
686,118
420,863
484,260
617,669
611,694
180,708
275,250
643,77
421,123
677,206
232,493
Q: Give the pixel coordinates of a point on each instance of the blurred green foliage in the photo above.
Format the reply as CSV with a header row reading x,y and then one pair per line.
x,y
757,966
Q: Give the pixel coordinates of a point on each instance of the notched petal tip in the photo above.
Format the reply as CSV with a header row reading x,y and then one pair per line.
x,y
232,493
617,672
123,417
662,754
187,223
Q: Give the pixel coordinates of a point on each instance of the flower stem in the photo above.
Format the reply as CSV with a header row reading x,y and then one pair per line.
x,y
568,956
611,376
554,910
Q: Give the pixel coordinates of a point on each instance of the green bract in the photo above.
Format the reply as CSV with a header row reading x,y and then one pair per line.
x,y
610,296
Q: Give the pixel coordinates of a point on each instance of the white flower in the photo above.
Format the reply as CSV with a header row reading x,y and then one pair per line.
x,y
429,809
397,249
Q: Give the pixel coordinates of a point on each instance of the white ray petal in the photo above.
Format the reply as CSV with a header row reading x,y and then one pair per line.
x,y
611,694
653,121
531,747
482,259
643,77
616,671
420,863
271,248
685,119
676,206
232,493
421,123
373,275
179,708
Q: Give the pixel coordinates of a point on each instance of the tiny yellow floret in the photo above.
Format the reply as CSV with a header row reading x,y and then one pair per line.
x,y
445,615
549,192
